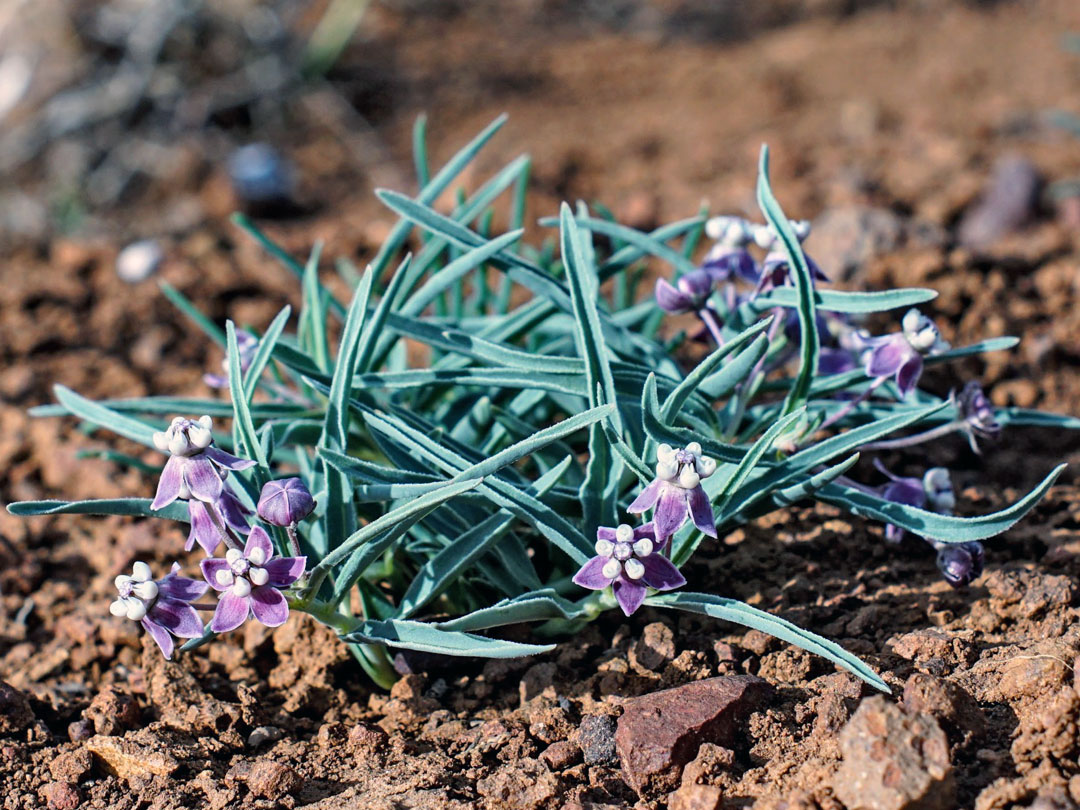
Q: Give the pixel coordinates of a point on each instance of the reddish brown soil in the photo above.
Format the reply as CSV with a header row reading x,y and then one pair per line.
x,y
904,109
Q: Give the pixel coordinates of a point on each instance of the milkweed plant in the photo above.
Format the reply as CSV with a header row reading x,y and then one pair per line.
x,y
557,454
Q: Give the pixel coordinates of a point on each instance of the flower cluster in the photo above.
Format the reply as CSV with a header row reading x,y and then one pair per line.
x,y
631,560
250,578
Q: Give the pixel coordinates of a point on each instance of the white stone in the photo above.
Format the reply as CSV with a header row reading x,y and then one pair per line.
x,y
139,260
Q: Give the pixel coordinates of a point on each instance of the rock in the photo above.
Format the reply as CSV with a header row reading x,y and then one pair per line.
x,y
660,733
272,780
696,797
365,737
1026,594
128,759
260,175
139,260
1008,202
113,712
536,680
843,239
263,735
596,738
893,760
71,766
61,795
15,712
561,755
80,730
655,648
956,710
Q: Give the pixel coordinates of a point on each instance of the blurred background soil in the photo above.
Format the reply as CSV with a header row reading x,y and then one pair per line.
x,y
928,141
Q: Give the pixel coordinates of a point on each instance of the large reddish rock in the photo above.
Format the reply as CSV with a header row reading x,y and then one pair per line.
x,y
659,734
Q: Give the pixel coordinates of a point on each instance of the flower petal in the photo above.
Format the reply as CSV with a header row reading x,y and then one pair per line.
x,y
232,611
907,377
661,573
169,484
259,539
886,358
670,512
269,606
210,568
227,460
628,594
202,478
701,511
591,575
908,491
284,571
178,618
605,533
234,513
160,635
180,588
671,299
646,499
203,531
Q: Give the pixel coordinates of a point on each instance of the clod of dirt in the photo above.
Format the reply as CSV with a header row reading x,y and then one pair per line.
x,y
893,760
561,755
654,649
112,712
1047,729
273,780
128,759
15,712
931,646
536,680
596,738
522,785
1026,594
696,797
71,766
1007,203
956,710
61,796
661,732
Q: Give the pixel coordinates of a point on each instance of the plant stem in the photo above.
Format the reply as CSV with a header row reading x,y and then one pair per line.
x,y
223,530
853,404
294,540
918,438
709,317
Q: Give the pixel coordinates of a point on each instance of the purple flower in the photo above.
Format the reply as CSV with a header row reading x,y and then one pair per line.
x,y
677,492
933,491
776,271
729,256
195,468
205,530
977,413
163,607
285,502
900,355
248,345
961,564
250,582
627,560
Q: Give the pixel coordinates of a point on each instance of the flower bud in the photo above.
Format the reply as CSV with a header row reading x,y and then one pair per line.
x,y
285,502
961,564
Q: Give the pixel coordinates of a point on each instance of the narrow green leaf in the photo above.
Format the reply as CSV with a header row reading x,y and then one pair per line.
x,y
422,637
104,417
848,302
138,507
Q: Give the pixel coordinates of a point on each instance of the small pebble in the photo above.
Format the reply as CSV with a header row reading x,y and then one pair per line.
x,y
263,735
260,175
139,260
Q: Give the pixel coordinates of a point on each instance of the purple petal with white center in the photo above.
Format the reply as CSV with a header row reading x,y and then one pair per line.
x,y
160,635
203,531
605,533
670,299
168,489
234,513
648,530
210,569
908,375
646,499
202,478
284,571
227,460
670,512
591,575
628,594
661,573
259,539
232,611
886,358
701,511
179,618
269,606
180,588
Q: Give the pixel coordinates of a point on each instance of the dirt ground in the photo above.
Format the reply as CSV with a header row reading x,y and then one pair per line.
x,y
903,109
